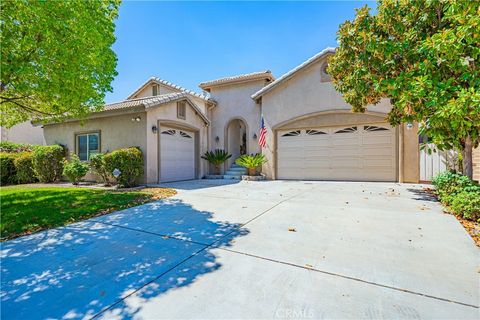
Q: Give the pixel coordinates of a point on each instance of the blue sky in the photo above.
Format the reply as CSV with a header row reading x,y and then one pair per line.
x,y
190,42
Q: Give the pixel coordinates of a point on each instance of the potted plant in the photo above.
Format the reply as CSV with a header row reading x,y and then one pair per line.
x,y
216,158
251,162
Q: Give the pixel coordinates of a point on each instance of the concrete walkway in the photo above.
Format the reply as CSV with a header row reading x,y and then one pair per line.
x,y
276,249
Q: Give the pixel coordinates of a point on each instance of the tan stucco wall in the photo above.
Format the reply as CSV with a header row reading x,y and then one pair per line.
x,y
23,132
305,95
476,164
234,102
115,132
166,115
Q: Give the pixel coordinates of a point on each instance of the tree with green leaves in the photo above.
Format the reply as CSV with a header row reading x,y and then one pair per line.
x,y
422,55
56,58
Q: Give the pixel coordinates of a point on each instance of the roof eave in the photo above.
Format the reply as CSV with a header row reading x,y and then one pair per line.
x,y
218,83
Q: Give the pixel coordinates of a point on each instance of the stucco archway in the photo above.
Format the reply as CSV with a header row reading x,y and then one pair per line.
x,y
236,139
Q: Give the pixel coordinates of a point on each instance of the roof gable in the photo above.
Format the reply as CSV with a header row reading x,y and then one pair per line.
x,y
261,75
174,87
319,56
155,101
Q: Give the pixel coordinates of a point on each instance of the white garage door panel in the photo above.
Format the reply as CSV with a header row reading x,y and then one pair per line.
x,y
363,152
177,154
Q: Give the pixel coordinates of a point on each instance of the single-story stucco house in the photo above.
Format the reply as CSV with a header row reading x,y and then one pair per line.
x,y
312,134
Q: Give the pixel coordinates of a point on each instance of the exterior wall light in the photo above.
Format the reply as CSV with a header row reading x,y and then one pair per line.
x,y
409,126
154,129
137,119
254,136
217,139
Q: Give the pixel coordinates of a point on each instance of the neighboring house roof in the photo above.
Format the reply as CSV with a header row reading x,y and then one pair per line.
x,y
267,75
155,101
170,85
292,72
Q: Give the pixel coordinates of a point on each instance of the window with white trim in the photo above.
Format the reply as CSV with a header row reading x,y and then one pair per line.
x,y
87,144
181,110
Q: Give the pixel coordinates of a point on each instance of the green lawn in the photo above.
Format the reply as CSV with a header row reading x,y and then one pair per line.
x,y
26,209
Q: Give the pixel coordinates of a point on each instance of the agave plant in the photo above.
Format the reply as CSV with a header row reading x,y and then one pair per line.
x,y
216,158
251,162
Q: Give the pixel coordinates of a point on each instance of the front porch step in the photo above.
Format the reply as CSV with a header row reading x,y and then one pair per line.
x,y
234,173
232,177
239,170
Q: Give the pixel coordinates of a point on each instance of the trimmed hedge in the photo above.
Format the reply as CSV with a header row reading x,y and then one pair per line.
x,y
130,163
24,167
459,193
7,146
7,168
48,162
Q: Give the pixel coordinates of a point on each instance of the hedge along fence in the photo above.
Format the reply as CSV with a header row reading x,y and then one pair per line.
x,y
459,194
27,163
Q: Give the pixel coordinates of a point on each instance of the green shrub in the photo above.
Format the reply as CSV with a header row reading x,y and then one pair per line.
x,y
448,184
7,168
48,162
24,167
216,158
130,163
99,167
459,193
74,169
7,146
251,162
467,204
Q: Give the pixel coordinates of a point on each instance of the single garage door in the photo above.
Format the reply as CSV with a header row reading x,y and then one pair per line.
x,y
363,153
177,154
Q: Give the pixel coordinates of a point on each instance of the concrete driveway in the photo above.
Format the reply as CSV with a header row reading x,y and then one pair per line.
x,y
277,249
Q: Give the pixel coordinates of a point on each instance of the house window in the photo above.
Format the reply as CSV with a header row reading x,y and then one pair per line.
x,y
155,90
181,110
88,144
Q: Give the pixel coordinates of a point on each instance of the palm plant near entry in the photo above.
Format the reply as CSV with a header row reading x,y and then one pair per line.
x,y
216,158
251,162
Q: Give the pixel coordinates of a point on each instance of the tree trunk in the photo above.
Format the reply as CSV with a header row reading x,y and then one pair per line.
x,y
217,169
467,158
252,171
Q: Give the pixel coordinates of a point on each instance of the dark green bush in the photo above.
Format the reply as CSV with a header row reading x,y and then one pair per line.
x,y
467,204
459,193
7,168
7,146
130,163
99,167
48,162
74,169
24,167
448,184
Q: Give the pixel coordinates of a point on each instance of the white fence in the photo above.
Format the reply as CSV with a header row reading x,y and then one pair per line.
x,y
436,162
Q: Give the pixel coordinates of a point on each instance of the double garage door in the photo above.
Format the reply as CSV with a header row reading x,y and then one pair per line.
x,y
177,154
364,152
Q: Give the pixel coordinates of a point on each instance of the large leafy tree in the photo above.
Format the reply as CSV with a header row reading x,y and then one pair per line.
x,y
422,55
56,58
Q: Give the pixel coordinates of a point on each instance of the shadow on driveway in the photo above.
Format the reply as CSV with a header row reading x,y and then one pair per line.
x,y
81,269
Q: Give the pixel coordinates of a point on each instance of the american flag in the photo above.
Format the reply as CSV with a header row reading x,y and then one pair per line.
x,y
262,140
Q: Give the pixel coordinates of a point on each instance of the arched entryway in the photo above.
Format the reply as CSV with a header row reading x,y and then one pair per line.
x,y
236,139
